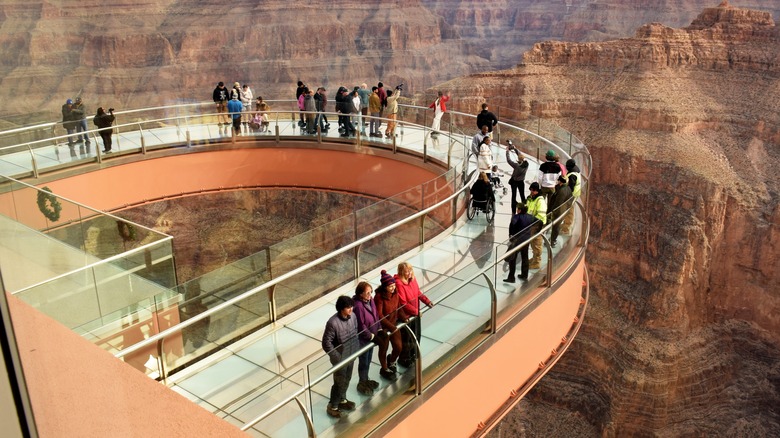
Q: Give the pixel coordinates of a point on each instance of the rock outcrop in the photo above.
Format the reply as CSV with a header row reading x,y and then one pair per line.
x,y
156,52
683,335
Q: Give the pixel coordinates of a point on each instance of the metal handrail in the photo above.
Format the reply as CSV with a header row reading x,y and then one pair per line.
x,y
418,370
178,327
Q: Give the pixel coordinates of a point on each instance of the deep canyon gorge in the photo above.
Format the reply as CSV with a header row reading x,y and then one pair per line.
x,y
676,100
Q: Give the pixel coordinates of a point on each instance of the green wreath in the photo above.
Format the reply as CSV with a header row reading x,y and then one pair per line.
x,y
51,210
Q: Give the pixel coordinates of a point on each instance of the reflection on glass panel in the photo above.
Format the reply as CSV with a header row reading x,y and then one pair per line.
x,y
288,420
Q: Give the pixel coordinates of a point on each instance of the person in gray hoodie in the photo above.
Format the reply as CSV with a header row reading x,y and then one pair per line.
x,y
340,341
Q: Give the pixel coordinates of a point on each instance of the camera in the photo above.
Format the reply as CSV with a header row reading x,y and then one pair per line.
x,y
111,110
400,86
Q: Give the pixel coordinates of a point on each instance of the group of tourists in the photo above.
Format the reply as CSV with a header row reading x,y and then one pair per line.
x,y
551,196
74,120
352,106
361,321
234,108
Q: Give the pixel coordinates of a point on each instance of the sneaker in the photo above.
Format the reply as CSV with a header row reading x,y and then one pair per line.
x,y
534,266
373,384
509,280
333,411
387,373
363,388
391,365
346,405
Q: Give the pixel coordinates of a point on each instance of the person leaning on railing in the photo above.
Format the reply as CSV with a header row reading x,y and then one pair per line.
x,y
340,340
369,331
390,310
411,295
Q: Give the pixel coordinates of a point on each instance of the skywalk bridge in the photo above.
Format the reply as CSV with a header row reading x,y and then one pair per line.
x,y
249,350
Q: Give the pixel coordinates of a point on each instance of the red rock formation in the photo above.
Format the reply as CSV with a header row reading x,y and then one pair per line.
x,y
153,52
683,335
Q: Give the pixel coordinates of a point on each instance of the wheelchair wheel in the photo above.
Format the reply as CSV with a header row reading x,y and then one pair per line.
x,y
471,210
490,210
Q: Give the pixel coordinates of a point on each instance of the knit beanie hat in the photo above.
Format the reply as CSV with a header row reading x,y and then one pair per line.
x,y
570,163
386,279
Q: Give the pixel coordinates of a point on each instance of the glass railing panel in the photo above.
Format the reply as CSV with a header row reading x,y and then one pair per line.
x,y
288,420
71,299
461,312
218,329
315,282
123,328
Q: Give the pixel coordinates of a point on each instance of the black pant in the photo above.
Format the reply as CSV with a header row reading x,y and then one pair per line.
x,y
517,186
106,136
409,351
512,260
237,124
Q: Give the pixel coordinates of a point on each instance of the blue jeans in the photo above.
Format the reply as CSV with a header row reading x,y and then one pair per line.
x,y
81,126
364,362
321,120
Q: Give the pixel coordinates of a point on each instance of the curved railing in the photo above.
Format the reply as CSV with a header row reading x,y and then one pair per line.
x,y
451,288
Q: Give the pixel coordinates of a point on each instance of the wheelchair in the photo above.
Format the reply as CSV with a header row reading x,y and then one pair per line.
x,y
486,206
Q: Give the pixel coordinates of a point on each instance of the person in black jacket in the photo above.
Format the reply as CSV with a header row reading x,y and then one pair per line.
x,y
561,201
519,232
486,118
220,97
104,122
344,107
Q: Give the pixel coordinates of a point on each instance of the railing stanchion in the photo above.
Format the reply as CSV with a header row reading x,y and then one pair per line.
x,y
493,303
276,128
32,162
143,140
161,361
549,267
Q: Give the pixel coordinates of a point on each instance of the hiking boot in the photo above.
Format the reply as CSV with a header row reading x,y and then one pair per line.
x,y
387,373
346,405
364,389
333,411
534,265
373,384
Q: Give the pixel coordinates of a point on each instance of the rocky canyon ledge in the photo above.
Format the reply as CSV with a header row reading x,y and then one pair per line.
x,y
683,335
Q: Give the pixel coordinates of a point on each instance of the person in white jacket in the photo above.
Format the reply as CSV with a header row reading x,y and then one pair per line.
x,y
246,103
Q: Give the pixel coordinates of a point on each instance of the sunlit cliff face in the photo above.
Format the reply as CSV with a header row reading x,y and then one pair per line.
x,y
682,336
150,53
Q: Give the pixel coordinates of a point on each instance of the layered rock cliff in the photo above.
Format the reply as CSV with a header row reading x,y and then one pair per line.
x,y
153,52
683,333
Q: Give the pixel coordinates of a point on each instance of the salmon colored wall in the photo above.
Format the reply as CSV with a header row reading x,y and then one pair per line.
x,y
77,390
481,388
112,187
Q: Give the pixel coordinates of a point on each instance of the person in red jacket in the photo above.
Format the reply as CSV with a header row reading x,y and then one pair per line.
x,y
390,311
411,295
439,108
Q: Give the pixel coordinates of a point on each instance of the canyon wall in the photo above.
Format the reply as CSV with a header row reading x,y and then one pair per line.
x,y
155,52
682,336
